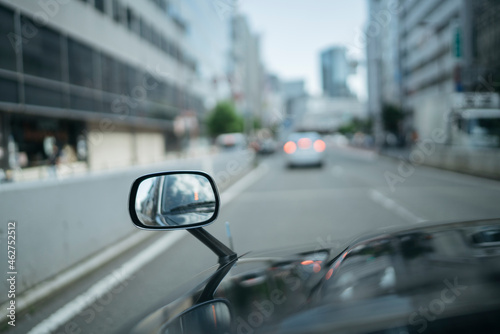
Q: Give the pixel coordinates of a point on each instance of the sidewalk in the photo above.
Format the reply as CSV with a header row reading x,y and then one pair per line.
x,y
396,152
68,170
482,162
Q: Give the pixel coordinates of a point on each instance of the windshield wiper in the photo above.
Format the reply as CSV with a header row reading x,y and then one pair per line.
x,y
188,207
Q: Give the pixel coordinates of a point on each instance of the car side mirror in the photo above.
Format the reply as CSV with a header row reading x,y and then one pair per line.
x,y
173,200
207,318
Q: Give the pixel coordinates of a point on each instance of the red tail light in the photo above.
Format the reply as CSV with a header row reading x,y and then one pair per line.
x,y
319,145
290,147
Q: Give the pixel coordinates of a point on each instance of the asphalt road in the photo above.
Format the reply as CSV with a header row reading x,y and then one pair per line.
x,y
355,192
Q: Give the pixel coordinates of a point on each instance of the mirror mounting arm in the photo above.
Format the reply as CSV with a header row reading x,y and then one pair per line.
x,y
224,253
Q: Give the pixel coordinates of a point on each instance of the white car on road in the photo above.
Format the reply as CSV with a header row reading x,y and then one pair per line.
x,y
304,149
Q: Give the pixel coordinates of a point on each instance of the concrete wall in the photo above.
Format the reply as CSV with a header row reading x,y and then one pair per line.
x,y
481,162
62,222
150,147
111,150
121,148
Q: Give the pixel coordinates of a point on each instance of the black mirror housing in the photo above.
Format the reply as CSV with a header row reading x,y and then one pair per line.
x,y
174,200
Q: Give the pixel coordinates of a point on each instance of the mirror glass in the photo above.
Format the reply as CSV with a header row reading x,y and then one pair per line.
x,y
212,317
175,200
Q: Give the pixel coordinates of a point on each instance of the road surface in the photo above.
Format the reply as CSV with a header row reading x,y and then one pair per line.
x,y
356,191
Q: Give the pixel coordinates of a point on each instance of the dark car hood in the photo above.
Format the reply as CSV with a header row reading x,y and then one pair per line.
x,y
404,279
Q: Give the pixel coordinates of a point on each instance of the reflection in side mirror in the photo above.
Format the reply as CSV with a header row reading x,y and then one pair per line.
x,y
208,318
173,200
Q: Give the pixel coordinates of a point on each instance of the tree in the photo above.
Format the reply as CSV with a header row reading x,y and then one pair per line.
x,y
356,125
392,116
224,119
257,123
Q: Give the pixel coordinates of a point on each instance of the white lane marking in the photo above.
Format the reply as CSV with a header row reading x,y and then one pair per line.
x,y
391,205
48,287
244,183
337,171
120,275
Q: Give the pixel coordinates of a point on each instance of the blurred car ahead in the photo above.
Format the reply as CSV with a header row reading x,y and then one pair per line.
x,y
231,141
304,149
266,146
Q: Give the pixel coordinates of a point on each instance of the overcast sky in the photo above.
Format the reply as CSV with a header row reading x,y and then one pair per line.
x,y
294,31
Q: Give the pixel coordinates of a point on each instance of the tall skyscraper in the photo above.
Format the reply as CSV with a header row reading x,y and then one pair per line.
x,y
246,67
334,72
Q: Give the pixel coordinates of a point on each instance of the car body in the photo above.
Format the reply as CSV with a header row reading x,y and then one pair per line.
x,y
304,149
440,277
266,146
402,281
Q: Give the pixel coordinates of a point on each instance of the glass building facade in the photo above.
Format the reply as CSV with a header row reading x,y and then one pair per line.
x,y
65,65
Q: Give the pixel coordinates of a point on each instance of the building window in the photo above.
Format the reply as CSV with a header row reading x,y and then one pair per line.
x,y
42,96
132,22
82,102
163,5
129,18
42,55
155,91
9,40
167,93
110,74
174,51
180,56
155,38
165,45
8,90
117,11
81,65
122,78
99,5
115,76
145,30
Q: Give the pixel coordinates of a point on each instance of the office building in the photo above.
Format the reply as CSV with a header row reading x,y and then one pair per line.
x,y
335,70
246,68
107,78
